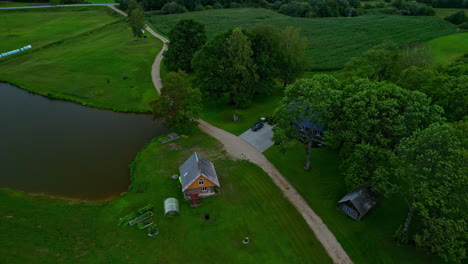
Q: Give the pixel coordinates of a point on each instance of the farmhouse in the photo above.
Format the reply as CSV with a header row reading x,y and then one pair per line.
x,y
308,125
358,203
198,177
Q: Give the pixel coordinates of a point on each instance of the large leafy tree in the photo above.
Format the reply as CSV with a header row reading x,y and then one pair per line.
x,y
375,64
179,104
265,47
225,65
431,165
136,18
241,73
370,122
187,37
305,100
292,61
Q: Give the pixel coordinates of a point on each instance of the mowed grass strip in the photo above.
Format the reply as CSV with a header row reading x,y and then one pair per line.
x,y
39,27
445,50
39,229
332,41
367,241
107,69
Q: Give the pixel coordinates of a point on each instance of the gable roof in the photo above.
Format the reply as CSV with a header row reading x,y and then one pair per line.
x,y
195,166
362,199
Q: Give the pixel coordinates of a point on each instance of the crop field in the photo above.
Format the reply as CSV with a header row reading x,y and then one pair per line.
x,y
104,67
332,41
445,50
37,229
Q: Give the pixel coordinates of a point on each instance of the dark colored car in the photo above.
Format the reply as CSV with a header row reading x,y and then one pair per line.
x,y
257,126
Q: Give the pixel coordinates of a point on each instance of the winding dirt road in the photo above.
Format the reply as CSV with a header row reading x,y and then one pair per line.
x,y
240,149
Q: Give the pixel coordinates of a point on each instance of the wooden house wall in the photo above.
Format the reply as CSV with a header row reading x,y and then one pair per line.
x,y
206,183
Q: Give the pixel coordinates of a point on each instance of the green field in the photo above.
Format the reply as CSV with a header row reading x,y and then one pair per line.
x,y
446,49
104,67
332,41
444,12
366,241
37,229
13,4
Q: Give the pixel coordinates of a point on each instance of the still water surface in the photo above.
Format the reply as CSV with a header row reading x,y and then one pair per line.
x,y
65,149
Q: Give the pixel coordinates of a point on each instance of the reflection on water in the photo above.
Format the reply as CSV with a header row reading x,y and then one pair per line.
x,y
65,149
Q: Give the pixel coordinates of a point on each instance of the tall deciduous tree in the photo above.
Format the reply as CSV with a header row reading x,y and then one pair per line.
x,y
179,104
292,55
187,37
371,121
304,101
265,46
225,65
241,73
433,170
137,21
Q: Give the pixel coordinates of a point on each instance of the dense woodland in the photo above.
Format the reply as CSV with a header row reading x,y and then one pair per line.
x,y
398,123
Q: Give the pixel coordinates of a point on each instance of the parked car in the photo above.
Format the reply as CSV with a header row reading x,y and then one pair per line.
x,y
257,126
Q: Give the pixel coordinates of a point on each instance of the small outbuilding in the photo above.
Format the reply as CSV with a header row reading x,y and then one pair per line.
x,y
198,176
356,204
171,207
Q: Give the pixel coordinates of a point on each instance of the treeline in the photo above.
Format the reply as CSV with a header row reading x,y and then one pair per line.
x,y
400,129
409,8
298,8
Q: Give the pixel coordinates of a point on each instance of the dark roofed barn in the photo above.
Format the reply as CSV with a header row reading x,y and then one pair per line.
x,y
198,176
358,203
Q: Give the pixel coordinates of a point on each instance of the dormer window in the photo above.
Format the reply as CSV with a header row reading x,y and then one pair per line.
x,y
201,182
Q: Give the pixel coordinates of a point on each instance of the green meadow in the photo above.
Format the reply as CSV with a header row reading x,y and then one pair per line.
x,y
445,50
100,65
38,229
332,41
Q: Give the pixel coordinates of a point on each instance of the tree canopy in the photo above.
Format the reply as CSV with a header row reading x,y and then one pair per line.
x,y
187,37
179,104
305,101
292,61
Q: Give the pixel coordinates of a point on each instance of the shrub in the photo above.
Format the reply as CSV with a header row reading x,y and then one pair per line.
x,y
456,18
199,8
218,6
463,25
173,8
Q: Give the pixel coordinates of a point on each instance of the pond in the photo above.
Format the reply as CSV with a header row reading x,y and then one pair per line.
x,y
64,149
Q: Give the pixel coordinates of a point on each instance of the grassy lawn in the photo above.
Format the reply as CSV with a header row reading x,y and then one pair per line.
x,y
105,67
446,49
39,27
366,241
444,12
37,229
13,4
332,41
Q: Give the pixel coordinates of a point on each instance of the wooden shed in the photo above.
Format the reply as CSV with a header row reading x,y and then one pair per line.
x,y
356,204
198,176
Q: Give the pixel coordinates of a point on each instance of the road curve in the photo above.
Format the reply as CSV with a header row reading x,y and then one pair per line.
x,y
240,149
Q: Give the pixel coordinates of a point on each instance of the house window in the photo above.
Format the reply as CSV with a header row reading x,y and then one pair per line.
x,y
201,182
203,189
318,133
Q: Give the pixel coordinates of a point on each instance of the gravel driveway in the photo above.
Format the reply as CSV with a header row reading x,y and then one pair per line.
x,y
261,139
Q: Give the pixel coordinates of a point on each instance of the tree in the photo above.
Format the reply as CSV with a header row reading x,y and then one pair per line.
x,y
241,74
132,5
265,47
137,21
173,8
307,99
431,166
225,65
179,104
54,3
292,62
187,37
376,64
370,122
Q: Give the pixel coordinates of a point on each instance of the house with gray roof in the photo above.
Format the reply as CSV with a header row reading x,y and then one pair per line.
x,y
356,204
198,177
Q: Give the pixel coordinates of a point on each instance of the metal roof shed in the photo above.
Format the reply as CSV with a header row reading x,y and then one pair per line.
x,y
356,204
